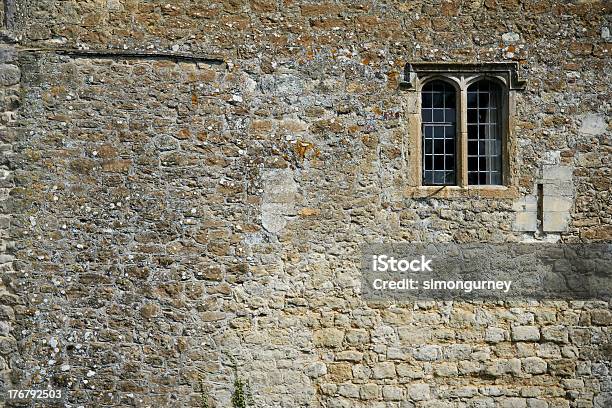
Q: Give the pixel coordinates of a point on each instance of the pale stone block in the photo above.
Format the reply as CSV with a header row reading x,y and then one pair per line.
x,y
349,355
525,333
526,221
559,189
446,370
419,392
556,204
361,372
534,365
427,353
593,124
368,391
383,370
357,336
392,393
412,103
394,353
514,403
557,173
557,221
409,371
495,335
348,390
536,403
528,203
316,370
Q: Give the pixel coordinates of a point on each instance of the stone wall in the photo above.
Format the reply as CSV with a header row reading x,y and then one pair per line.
x,y
188,184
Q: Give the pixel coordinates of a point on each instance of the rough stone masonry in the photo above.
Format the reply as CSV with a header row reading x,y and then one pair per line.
x,y
185,186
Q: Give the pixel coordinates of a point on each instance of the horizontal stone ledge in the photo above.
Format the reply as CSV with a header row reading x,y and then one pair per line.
x,y
129,54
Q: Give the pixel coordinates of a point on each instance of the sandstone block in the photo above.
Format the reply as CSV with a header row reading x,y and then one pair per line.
x,y
328,337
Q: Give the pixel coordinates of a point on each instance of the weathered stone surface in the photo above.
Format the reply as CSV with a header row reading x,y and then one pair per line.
x,y
187,193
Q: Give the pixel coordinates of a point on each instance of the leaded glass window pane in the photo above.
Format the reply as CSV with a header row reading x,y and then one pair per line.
x,y
439,130
484,133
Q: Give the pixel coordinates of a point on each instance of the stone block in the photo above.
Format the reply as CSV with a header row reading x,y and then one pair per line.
x,y
409,371
536,403
340,372
357,336
316,370
495,335
514,403
557,334
328,337
9,74
557,204
593,124
527,203
534,365
392,393
427,353
556,221
394,353
349,355
383,370
348,390
601,317
557,173
419,392
368,391
525,333
525,221
446,370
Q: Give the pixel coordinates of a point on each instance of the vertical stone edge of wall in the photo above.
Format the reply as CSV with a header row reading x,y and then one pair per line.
x,y
10,78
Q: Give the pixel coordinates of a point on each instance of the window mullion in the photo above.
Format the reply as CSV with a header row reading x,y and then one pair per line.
x,y
462,167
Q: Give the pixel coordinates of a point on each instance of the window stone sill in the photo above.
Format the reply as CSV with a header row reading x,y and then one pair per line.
x,y
461,192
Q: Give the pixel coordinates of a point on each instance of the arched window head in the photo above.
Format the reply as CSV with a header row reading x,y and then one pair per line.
x,y
484,133
439,130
